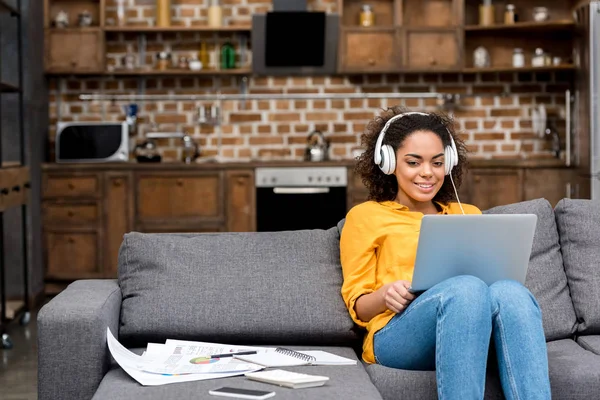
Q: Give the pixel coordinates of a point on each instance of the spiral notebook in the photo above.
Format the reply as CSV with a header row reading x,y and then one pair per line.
x,y
282,357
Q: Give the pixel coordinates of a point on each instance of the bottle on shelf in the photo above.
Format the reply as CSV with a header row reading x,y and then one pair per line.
x,y
227,56
163,13
121,18
203,55
215,14
486,13
367,17
510,17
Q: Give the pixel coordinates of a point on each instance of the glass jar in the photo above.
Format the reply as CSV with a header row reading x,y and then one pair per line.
x,y
367,16
540,58
518,60
163,60
509,14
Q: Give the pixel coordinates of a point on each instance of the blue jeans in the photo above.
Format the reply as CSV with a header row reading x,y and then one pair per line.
x,y
448,329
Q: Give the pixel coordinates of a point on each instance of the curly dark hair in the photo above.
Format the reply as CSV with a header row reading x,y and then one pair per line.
x,y
384,187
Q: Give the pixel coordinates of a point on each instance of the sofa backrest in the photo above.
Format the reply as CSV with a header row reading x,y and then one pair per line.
x,y
272,288
579,228
546,278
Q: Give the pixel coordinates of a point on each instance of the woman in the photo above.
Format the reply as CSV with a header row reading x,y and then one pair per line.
x,y
447,328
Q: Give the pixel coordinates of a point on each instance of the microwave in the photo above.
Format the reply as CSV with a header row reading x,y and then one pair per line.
x,y
80,142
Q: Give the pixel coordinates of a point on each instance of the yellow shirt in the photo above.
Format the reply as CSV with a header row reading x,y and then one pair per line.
x,y
379,245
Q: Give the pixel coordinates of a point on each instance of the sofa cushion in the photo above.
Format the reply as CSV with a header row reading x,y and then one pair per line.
x,y
400,384
345,382
590,343
546,277
574,371
264,287
579,228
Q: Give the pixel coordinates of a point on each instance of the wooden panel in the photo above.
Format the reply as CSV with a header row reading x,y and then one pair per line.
x,y
183,197
383,9
241,201
495,187
69,214
370,50
70,186
430,13
419,45
72,255
80,50
14,187
552,184
118,219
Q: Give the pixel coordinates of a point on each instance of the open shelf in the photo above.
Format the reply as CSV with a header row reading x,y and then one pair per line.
x,y
181,72
5,7
158,29
8,88
523,26
565,67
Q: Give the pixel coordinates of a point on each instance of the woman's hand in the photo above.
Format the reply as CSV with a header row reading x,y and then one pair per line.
x,y
396,295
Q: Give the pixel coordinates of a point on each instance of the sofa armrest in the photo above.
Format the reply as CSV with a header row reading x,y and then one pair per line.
x,y
72,352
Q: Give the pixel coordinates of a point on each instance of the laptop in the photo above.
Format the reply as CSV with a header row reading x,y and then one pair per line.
x,y
490,247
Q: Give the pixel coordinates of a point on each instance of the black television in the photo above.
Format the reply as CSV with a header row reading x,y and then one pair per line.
x,y
294,43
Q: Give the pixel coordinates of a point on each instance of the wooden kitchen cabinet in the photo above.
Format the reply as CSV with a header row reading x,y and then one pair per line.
x,y
78,50
419,45
493,187
179,200
241,201
552,184
118,217
378,49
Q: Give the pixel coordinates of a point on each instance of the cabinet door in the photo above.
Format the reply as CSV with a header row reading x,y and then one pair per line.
x,y
241,201
434,49
75,50
179,200
489,188
374,50
357,192
553,184
118,218
73,255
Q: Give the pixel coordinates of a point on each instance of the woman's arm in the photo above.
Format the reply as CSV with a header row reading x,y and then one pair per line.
x,y
392,296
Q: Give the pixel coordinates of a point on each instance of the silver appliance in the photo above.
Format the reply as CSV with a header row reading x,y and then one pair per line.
x,y
586,122
294,198
92,142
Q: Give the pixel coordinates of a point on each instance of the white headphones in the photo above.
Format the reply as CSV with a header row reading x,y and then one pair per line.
x,y
385,157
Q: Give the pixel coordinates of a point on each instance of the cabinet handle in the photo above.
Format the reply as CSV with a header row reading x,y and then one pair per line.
x,y
117,182
71,186
371,61
4,191
70,213
27,185
477,179
179,182
16,188
71,240
240,181
432,61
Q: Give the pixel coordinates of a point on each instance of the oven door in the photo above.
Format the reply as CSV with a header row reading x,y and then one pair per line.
x,y
293,208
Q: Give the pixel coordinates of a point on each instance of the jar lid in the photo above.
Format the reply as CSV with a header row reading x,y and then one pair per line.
x,y
366,7
539,51
510,7
518,50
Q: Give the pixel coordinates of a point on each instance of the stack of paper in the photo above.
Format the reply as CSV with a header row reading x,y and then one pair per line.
x,y
179,361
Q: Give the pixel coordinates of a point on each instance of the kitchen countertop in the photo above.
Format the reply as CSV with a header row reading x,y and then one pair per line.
x,y
166,166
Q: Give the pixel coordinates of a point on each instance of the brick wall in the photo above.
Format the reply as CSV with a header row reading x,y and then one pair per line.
x,y
494,126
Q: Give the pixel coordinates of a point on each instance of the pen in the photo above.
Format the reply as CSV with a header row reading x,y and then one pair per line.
x,y
241,353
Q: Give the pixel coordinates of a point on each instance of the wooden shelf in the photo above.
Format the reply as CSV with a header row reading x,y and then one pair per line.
x,y
158,29
566,67
5,7
76,29
8,88
523,26
181,72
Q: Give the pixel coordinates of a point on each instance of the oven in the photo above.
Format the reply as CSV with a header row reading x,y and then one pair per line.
x,y
293,198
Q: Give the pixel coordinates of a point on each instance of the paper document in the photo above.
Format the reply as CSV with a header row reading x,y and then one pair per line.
x,y
175,362
281,357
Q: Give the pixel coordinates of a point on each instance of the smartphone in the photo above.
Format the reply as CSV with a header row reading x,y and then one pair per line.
x,y
241,393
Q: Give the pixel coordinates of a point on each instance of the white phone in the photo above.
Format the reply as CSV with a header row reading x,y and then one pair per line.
x,y
241,393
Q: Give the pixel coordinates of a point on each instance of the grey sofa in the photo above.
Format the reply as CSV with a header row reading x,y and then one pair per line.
x,y
283,288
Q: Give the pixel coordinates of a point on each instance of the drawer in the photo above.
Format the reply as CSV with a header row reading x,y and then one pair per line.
x,y
15,187
72,255
71,186
184,197
70,214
